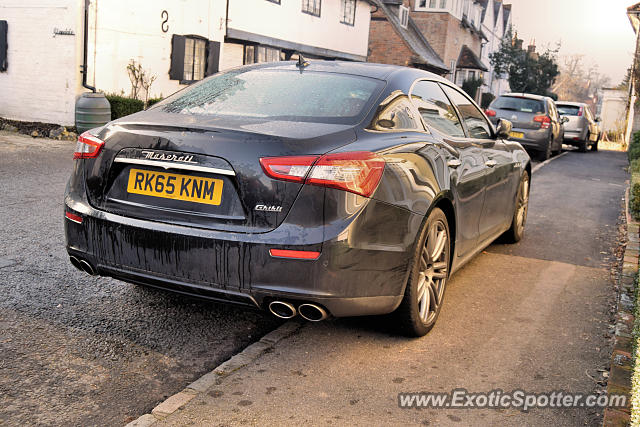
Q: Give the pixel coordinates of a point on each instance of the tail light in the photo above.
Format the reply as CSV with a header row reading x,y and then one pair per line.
x,y
490,113
88,146
358,172
284,253
294,169
544,121
73,217
580,111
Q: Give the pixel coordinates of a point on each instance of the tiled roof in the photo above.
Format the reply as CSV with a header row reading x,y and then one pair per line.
x,y
468,59
423,52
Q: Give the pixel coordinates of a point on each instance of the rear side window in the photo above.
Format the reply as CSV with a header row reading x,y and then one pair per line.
x,y
396,113
523,105
278,95
568,110
477,124
435,108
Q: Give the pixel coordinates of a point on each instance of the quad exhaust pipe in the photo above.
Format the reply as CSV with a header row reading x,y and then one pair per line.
x,y
82,265
310,312
282,309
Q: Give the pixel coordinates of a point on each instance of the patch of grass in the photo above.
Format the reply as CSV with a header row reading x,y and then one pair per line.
x,y
634,147
634,199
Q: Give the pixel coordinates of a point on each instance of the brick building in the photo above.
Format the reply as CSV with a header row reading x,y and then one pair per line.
x,y
394,38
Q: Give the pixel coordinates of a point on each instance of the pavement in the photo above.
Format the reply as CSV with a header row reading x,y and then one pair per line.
x,y
81,350
533,316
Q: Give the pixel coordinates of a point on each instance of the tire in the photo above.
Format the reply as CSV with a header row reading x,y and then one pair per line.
x,y
519,220
546,153
582,145
424,293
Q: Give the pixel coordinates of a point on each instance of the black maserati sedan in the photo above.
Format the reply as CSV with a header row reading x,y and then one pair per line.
x,y
305,188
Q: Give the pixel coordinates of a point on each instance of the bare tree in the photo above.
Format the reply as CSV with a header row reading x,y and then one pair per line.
x,y
140,80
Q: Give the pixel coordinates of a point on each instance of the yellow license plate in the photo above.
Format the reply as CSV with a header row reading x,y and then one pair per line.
x,y
174,186
516,134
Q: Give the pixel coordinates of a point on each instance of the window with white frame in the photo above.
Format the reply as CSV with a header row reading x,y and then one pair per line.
x,y
403,14
431,4
348,12
312,7
194,58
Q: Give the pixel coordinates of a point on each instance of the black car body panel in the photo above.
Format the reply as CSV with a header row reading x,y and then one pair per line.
x,y
222,252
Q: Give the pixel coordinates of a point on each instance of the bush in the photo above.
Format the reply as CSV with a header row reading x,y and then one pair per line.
x,y
486,100
634,201
634,147
634,167
471,86
122,106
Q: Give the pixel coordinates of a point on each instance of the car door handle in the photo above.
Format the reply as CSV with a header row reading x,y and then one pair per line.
x,y
490,163
454,163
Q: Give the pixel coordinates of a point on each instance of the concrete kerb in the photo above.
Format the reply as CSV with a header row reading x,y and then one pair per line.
x,y
248,355
621,365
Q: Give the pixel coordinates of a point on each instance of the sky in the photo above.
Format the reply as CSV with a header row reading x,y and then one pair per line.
x,y
598,29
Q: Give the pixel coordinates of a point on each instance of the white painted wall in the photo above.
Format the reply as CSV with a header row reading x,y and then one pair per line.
x,y
43,76
614,106
121,30
285,21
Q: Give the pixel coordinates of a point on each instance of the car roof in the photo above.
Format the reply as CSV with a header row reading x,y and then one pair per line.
x,y
526,95
577,104
365,69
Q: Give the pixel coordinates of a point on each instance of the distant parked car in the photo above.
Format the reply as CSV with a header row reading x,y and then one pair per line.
x,y
582,129
536,122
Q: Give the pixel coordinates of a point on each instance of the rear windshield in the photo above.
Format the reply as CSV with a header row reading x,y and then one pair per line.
x,y
568,110
523,105
278,95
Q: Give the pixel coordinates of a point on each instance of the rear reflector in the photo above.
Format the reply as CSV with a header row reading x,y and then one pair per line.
x,y
490,113
284,253
73,217
88,146
358,172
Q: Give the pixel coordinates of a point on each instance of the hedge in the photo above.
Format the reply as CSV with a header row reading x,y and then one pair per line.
x,y
122,106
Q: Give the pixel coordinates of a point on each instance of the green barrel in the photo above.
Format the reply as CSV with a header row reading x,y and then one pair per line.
x,y
92,110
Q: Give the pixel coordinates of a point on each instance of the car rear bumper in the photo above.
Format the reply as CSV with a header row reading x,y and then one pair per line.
x,y
535,139
357,272
573,137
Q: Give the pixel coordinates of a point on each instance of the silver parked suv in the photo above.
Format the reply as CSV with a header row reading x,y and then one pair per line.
x,y
536,122
582,129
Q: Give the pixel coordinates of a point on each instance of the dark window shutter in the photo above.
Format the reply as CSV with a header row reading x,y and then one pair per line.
x,y
213,58
176,72
4,45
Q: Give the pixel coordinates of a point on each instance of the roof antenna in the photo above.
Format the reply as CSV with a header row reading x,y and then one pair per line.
x,y
302,62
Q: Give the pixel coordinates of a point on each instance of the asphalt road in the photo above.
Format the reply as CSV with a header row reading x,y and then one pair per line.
x,y
534,316
78,350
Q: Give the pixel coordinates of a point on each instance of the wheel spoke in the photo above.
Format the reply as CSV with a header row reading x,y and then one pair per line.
x,y
439,246
439,274
423,298
439,265
424,259
433,295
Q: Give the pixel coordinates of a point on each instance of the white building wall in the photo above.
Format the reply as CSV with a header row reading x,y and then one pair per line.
x,y
614,107
286,21
121,30
43,78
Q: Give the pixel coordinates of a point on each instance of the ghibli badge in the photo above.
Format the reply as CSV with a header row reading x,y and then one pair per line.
x,y
267,208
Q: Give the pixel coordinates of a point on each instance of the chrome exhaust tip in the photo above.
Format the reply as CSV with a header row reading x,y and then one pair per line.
x,y
87,268
312,312
75,262
282,309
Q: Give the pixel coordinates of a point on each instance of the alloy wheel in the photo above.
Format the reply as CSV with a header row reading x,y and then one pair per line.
x,y
522,205
433,272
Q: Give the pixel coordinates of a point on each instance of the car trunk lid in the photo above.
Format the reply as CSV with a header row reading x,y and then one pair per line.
x,y
203,173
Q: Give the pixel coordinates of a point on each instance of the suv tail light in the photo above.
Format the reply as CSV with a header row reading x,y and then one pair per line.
x,y
358,172
580,111
88,146
544,121
490,113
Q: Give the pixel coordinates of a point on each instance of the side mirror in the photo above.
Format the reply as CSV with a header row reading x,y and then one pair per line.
x,y
564,120
504,128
